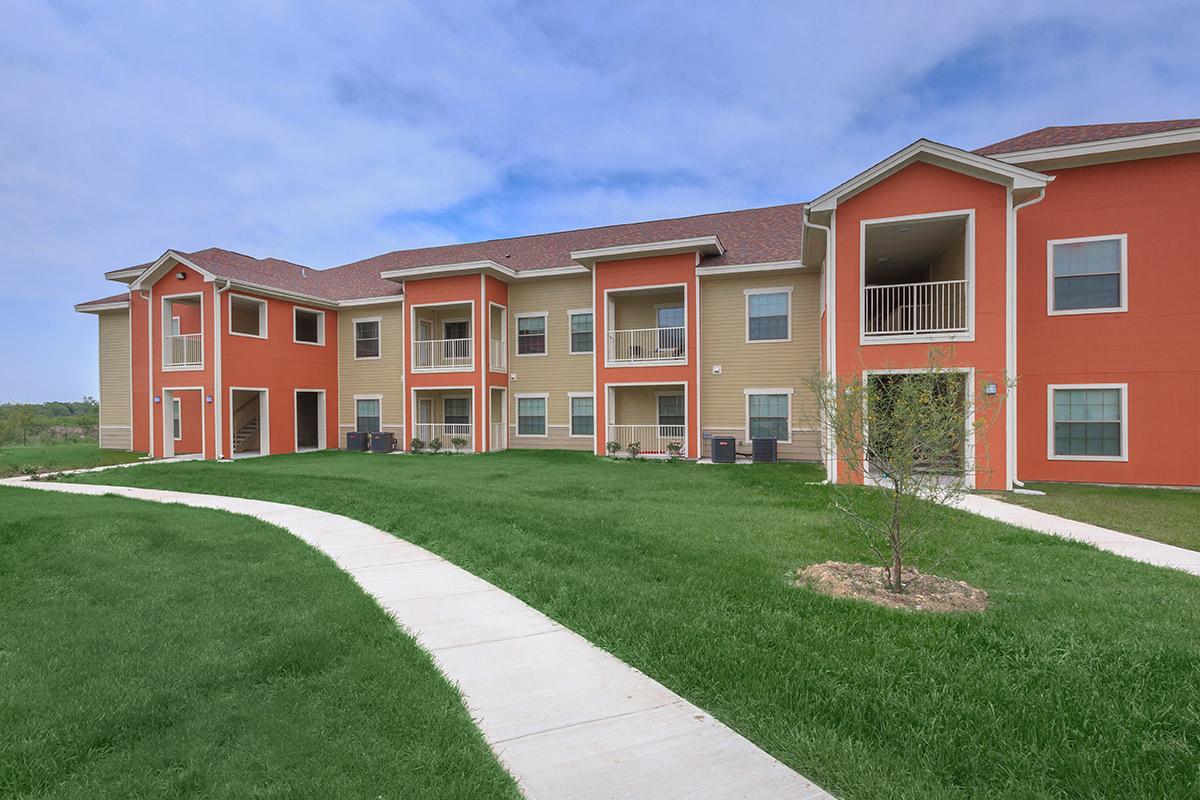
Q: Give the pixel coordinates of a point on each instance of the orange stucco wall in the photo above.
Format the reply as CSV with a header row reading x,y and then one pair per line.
x,y
923,189
201,379
280,365
646,272
496,291
1154,347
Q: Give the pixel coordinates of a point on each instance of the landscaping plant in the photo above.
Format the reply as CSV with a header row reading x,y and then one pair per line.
x,y
416,445
459,443
633,448
435,444
613,448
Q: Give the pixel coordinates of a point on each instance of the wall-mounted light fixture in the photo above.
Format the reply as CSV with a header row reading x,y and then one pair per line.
x,y
181,275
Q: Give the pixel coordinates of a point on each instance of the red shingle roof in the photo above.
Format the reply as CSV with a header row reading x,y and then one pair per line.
x,y
749,237
114,298
1081,134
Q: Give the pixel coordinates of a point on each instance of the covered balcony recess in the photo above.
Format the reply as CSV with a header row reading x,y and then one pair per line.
x,y
442,338
646,327
445,419
647,420
917,276
183,337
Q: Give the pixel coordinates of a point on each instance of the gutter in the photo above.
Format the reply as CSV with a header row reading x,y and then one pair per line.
x,y
219,436
830,344
1011,344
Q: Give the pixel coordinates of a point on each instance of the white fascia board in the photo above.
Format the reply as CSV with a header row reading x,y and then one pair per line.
x,y
550,272
705,245
449,269
371,301
96,308
149,275
764,266
1182,136
281,294
124,275
942,155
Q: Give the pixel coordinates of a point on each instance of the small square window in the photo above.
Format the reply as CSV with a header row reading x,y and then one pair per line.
x,y
309,326
1088,423
247,316
531,416
767,316
531,335
768,415
1087,275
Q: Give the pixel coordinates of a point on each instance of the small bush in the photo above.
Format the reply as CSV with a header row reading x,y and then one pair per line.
x,y
612,448
416,445
674,449
633,448
435,444
458,442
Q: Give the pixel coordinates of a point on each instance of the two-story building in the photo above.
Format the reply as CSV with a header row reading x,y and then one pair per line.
x,y
1059,261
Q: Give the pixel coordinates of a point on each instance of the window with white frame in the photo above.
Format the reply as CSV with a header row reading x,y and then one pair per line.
x,y
581,331
670,328
366,415
1087,275
308,326
531,335
456,414
366,338
176,419
768,315
670,412
583,415
247,316
1088,422
531,416
768,416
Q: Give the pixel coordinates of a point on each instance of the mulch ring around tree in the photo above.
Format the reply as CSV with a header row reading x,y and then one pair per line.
x,y
866,582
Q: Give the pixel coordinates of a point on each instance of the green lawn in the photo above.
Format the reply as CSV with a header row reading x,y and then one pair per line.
x,y
17,459
151,651
1165,515
1082,680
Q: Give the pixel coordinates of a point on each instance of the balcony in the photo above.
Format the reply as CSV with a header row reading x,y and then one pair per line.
x,y
646,327
442,354
652,440
652,417
183,350
917,278
497,355
444,432
913,309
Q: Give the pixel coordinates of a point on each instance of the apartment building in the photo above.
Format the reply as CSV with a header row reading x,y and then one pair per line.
x,y
1060,260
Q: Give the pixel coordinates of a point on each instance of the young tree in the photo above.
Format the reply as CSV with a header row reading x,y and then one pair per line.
x,y
23,420
915,439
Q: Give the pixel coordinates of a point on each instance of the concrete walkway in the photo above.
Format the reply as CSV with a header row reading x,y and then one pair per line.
x,y
1123,544
565,718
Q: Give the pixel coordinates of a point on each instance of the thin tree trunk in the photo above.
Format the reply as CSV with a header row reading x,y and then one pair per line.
x,y
894,532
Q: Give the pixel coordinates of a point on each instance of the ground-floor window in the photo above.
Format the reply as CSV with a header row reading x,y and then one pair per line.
x,y
456,411
1088,422
366,415
531,416
670,410
768,416
583,419
177,419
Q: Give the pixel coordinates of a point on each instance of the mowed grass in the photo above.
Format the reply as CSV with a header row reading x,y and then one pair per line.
x,y
18,459
1165,515
1082,680
160,651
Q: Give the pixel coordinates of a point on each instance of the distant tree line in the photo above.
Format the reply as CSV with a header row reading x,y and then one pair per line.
x,y
49,423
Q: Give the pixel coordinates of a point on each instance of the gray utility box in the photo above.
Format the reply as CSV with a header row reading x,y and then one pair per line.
x,y
356,440
766,451
383,442
724,449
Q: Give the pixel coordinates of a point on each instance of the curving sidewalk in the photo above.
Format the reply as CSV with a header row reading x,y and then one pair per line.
x,y
1123,544
564,717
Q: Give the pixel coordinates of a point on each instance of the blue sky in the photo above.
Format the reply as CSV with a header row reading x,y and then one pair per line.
x,y
324,133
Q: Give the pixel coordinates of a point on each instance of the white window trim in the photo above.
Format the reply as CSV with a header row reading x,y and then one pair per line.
x,y
570,331
451,321
1123,238
163,339
968,272
358,397
177,410
772,290
571,416
176,324
320,342
1050,390
750,392
354,331
546,418
546,334
262,316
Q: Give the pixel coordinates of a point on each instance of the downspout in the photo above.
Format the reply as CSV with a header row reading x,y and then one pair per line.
x,y
830,348
219,435
149,366
1011,344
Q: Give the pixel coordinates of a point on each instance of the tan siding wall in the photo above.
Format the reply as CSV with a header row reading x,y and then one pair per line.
x,y
384,375
556,373
115,396
638,311
760,365
437,315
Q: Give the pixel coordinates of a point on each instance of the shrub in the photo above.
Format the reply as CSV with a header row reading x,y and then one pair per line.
x,y
459,443
435,444
674,449
633,448
612,448
416,445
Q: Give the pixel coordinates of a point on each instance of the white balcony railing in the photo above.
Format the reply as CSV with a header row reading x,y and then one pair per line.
x,y
434,354
651,439
499,436
497,355
183,350
911,309
446,432
647,345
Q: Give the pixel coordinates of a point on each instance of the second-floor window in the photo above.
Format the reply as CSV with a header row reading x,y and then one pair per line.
x,y
767,316
670,328
366,338
309,326
247,316
1087,275
531,335
581,331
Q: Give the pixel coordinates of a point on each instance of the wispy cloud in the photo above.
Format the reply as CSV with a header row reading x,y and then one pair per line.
x,y
323,133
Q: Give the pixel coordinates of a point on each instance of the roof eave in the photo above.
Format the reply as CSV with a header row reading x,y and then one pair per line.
x,y
96,308
702,245
1116,146
460,268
